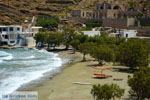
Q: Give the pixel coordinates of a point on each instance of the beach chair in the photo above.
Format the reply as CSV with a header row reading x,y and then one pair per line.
x,y
98,73
101,76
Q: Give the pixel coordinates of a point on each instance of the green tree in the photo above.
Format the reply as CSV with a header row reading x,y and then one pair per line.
x,y
54,39
102,53
41,37
68,35
75,43
104,39
83,38
133,53
48,22
106,92
117,91
140,84
85,48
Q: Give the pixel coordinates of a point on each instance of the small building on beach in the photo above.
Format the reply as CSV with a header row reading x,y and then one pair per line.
x,y
9,34
13,35
92,33
127,33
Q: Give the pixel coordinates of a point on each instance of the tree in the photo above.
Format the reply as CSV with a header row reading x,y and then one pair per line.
x,y
83,38
75,43
40,37
102,53
104,39
48,22
140,84
106,92
68,35
117,91
133,53
54,39
85,48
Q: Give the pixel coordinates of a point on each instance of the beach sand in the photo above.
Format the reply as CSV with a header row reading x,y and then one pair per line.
x,y
63,87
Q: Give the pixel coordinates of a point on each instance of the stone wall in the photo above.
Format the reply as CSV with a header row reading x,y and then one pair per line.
x,y
115,23
76,13
130,22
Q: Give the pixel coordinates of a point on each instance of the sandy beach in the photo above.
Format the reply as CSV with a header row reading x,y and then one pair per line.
x,y
63,86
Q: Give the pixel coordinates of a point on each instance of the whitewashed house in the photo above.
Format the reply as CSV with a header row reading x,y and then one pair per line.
x,y
9,34
15,34
91,33
127,33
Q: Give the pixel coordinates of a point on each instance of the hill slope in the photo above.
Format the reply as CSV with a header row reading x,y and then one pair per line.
x,y
17,11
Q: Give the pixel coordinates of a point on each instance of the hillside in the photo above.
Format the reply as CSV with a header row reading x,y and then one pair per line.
x,y
17,11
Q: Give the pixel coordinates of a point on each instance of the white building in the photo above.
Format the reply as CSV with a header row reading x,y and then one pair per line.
x,y
91,33
127,33
31,31
9,34
14,34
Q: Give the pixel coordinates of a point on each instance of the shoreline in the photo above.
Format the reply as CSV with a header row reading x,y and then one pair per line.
x,y
51,74
62,86
40,77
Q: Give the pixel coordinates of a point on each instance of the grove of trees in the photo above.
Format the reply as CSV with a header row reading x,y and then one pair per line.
x,y
102,53
133,53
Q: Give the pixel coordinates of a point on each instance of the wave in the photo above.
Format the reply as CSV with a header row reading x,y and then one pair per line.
x,y
46,52
30,57
25,59
20,74
5,56
1,61
17,80
43,50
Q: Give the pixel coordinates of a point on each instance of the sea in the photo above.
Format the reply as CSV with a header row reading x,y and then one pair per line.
x,y
23,65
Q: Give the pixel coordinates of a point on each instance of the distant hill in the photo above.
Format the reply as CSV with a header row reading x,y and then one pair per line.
x,y
17,11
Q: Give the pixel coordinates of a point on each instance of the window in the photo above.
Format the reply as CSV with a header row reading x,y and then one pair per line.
x,y
116,7
18,29
109,7
0,29
12,41
101,7
126,35
5,36
4,29
83,14
11,29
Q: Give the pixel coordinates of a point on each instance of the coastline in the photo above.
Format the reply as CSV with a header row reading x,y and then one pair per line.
x,y
62,85
70,59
